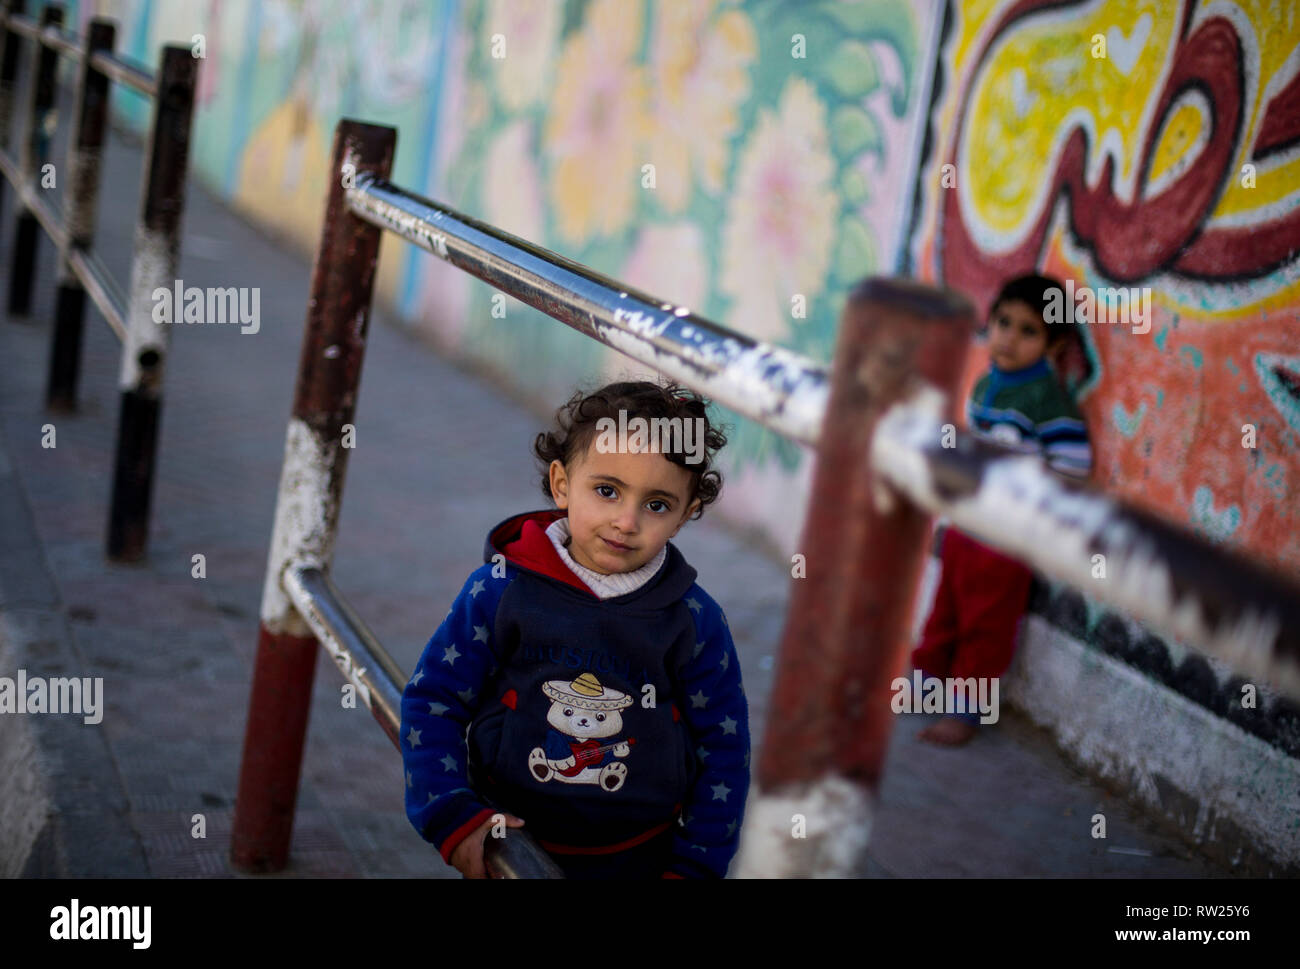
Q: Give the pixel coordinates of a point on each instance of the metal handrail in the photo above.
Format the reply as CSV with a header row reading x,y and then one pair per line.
x,y
118,68
80,272
780,389
1254,627
49,35
90,269
101,287
126,72
367,666
1225,603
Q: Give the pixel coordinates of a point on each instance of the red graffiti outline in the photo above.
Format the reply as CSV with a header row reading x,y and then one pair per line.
x,y
1130,241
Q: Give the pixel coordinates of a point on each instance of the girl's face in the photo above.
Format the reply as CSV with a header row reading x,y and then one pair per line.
x,y
623,507
1017,335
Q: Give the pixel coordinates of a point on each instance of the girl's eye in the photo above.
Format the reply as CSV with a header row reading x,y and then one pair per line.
x,y
658,501
600,492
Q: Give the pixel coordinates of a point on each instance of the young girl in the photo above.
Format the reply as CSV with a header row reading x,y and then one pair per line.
x,y
971,631
583,683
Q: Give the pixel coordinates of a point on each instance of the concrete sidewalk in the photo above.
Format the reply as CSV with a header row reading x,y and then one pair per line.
x,y
440,457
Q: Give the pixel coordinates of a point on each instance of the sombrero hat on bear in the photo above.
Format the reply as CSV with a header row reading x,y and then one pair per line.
x,y
586,693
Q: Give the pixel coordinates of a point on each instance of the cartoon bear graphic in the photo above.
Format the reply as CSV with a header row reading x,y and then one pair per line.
x,y
582,714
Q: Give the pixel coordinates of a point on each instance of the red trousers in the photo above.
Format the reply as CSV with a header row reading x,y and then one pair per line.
x,y
972,628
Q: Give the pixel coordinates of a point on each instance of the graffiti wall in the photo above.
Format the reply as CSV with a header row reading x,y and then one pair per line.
x,y
741,157
1152,145
1155,147
751,159
738,158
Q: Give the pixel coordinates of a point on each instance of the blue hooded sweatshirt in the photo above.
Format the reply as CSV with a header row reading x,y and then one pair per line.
x,y
602,723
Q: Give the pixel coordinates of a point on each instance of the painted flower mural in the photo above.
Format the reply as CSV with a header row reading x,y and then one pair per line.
x,y
669,261
774,165
515,204
529,31
781,216
765,176
597,124
701,78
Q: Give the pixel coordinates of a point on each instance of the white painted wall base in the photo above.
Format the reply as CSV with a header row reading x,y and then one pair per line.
x,y
1230,791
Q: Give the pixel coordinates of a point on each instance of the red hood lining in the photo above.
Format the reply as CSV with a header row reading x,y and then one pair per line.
x,y
531,548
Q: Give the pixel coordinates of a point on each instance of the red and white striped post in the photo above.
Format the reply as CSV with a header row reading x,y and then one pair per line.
x,y
846,630
306,514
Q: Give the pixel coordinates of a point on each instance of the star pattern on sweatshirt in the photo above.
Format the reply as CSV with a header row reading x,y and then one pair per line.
x,y
472,671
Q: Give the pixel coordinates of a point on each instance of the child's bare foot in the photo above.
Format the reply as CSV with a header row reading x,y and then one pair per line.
x,y
949,731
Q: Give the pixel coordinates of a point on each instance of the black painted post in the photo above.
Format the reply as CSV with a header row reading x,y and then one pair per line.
x,y
36,145
85,144
154,265
10,51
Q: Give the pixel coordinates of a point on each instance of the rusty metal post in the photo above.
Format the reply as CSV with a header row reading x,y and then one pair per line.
x,y
846,631
306,514
36,144
153,266
10,51
85,144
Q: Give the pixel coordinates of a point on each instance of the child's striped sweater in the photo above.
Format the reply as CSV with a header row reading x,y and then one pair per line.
x,y
1029,409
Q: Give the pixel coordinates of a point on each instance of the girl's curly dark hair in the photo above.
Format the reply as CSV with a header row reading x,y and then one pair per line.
x,y
578,417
